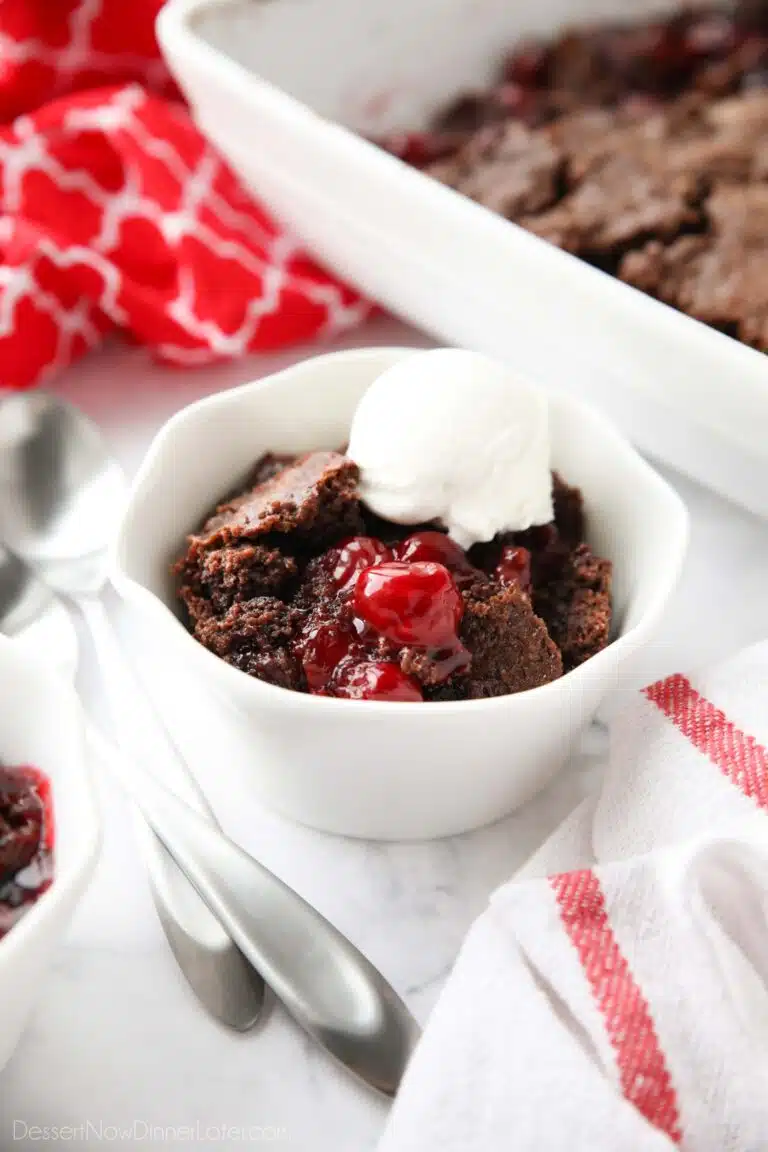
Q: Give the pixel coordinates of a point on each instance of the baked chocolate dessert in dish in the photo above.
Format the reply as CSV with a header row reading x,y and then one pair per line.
x,y
643,150
26,841
295,581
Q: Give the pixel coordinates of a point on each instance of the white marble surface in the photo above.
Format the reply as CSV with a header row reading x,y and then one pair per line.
x,y
117,1039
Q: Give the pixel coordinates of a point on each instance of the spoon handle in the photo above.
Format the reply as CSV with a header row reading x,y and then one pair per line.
x,y
326,984
222,978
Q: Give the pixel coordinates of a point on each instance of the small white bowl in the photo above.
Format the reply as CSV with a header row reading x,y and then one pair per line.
x,y
378,770
40,725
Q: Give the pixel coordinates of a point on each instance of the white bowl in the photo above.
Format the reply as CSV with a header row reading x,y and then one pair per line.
x,y
389,771
40,725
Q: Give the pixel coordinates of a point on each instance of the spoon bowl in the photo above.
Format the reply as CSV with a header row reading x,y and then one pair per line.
x,y
65,491
33,616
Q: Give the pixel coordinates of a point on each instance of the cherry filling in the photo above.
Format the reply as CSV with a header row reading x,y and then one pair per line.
x,y
410,603
439,549
374,680
514,567
322,649
26,841
353,556
639,64
378,605
417,605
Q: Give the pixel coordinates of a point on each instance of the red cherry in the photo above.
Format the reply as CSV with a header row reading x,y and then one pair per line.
x,y
26,836
372,680
321,649
353,556
410,603
437,548
514,567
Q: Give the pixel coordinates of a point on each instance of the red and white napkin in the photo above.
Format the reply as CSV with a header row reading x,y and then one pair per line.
x,y
115,214
622,1004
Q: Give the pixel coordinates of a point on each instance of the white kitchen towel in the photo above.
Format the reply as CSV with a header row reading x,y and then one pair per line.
x,y
614,996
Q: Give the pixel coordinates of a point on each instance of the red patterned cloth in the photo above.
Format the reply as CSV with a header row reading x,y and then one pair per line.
x,y
116,213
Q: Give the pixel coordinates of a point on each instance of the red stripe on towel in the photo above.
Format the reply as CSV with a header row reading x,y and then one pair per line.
x,y
737,754
645,1078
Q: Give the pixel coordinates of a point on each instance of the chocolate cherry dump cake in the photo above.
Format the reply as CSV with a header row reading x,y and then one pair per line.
x,y
296,582
643,150
26,841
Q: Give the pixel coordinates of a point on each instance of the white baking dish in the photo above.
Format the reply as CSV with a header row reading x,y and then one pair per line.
x,y
272,81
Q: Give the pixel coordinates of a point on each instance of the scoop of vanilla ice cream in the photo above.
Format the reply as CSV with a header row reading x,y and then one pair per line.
x,y
453,436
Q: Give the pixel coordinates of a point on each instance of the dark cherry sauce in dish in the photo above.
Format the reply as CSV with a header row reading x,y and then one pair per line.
x,y
26,841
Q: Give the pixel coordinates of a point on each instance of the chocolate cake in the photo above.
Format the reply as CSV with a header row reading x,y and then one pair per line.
x,y
643,150
295,582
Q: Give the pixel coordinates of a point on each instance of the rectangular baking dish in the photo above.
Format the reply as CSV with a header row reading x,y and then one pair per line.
x,y
287,90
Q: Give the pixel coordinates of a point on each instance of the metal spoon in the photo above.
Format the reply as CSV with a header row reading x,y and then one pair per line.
x,y
31,615
60,497
322,979
326,984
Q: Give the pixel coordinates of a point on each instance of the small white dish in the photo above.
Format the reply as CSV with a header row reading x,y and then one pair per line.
x,y
389,771
41,726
